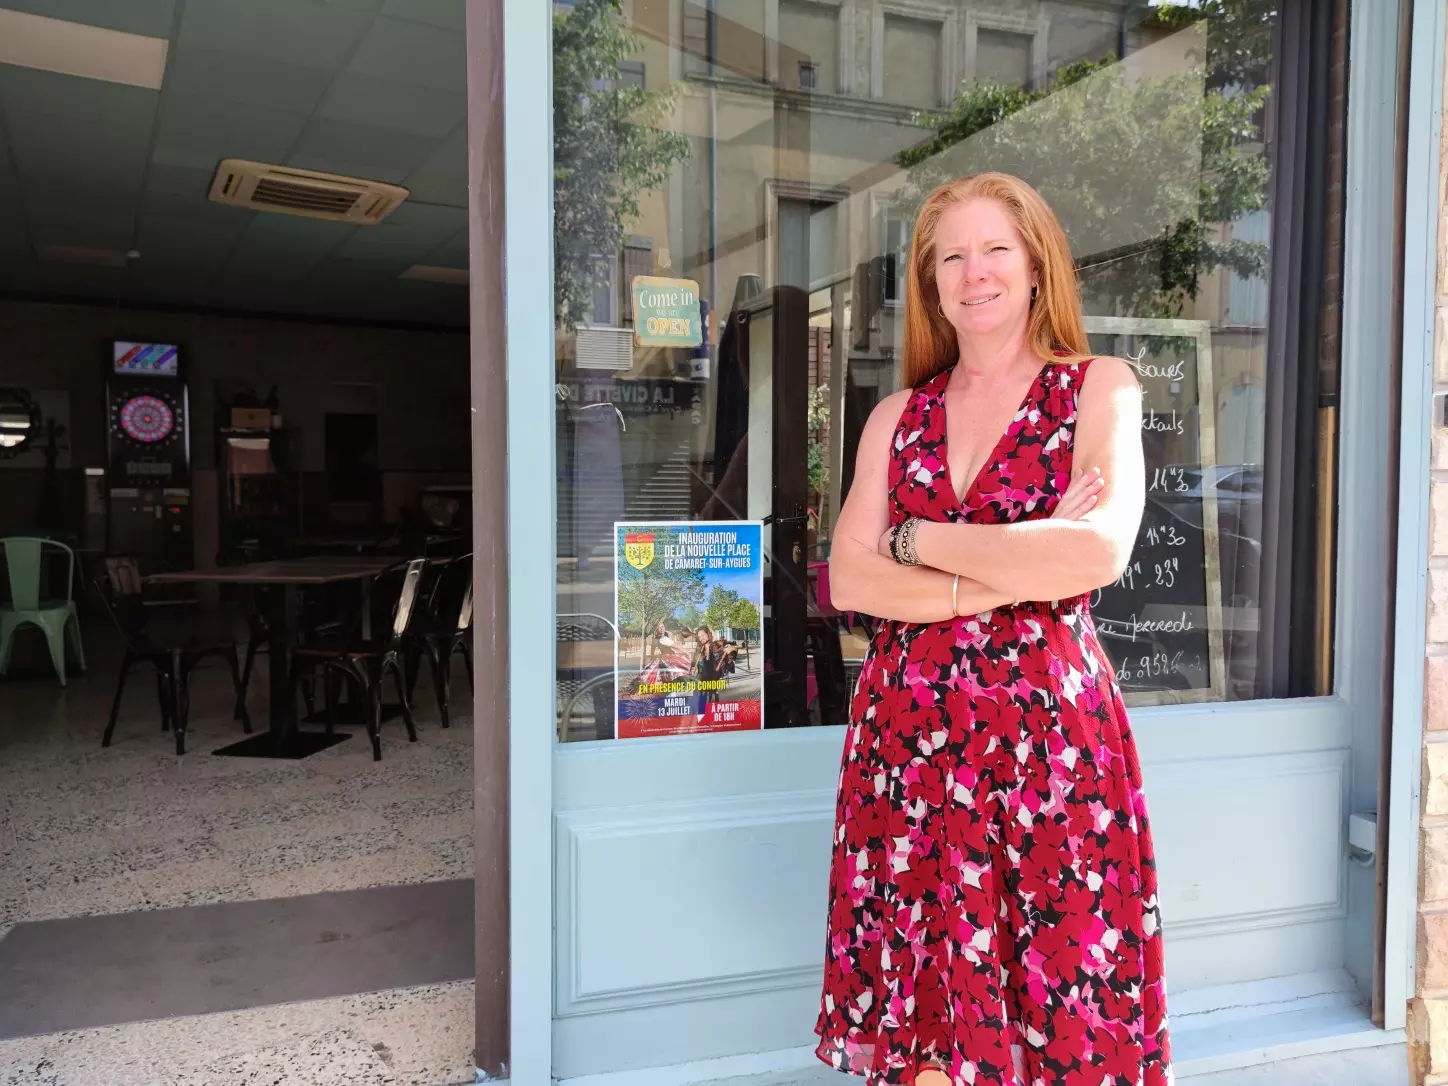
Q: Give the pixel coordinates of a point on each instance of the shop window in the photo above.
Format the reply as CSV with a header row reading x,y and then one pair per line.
x,y
631,74
759,277
1003,57
809,45
911,61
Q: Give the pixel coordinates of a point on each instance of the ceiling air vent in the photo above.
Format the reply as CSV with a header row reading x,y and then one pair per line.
x,y
292,191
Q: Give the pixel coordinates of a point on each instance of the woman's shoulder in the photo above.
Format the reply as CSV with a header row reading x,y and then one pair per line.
x,y
1108,371
1097,369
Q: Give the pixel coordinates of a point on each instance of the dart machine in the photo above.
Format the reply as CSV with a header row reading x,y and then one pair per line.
x,y
148,447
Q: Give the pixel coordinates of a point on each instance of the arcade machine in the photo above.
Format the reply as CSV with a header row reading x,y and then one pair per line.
x,y
148,452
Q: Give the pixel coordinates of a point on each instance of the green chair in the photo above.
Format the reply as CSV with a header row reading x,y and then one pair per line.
x,y
56,617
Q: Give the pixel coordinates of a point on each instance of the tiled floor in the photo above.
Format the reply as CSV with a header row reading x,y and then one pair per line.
x,y
409,1037
88,830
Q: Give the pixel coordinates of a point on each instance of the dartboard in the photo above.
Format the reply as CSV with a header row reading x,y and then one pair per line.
x,y
147,419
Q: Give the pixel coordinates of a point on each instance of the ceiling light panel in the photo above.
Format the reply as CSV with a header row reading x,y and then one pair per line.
x,y
91,52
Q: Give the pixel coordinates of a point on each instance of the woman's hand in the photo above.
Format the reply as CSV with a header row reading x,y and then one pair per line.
x,y
1081,496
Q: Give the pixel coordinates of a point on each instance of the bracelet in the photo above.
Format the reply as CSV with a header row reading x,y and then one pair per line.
x,y
902,542
908,555
955,597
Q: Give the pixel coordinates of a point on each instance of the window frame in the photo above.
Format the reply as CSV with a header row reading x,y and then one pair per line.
x,y
949,20
1036,27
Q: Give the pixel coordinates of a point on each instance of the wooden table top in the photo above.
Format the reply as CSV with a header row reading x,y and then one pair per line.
x,y
584,655
323,570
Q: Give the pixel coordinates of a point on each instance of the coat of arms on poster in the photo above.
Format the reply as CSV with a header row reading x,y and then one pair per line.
x,y
688,656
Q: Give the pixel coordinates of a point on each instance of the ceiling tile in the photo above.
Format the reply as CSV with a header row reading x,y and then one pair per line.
x,y
274,231
413,53
256,81
306,34
449,14
149,17
60,195
365,151
443,179
285,246
164,179
80,227
44,150
430,221
398,247
131,109
79,279
452,253
179,224
385,103
14,239
198,132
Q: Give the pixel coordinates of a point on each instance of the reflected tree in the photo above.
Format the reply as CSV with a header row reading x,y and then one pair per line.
x,y
1146,168
611,144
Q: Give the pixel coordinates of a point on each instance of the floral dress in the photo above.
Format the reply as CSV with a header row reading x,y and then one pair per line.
x,y
993,897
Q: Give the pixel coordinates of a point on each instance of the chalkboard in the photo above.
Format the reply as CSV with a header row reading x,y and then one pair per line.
x,y
1161,622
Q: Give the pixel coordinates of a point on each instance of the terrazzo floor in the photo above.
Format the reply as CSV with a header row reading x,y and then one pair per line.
x,y
407,1037
86,830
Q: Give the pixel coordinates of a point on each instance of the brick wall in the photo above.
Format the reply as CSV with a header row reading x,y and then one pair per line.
x,y
1428,1015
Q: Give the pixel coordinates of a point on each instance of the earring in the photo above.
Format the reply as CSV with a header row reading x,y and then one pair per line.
x,y
1035,289
940,308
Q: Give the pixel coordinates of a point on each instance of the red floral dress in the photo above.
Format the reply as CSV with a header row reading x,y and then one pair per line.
x,y
993,899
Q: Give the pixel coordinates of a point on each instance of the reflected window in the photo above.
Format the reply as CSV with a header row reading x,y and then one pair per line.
x,y
729,260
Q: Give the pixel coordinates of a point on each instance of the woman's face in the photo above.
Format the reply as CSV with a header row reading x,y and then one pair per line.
x,y
982,268
702,637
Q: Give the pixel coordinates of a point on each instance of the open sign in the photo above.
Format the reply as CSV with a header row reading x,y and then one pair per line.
x,y
666,312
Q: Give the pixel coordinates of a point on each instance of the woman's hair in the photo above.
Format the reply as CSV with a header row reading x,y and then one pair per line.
x,y
1054,325
704,629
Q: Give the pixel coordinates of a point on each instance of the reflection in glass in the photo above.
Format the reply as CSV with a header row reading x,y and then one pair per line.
x,y
773,152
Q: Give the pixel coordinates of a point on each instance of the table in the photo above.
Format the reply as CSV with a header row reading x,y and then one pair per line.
x,y
285,578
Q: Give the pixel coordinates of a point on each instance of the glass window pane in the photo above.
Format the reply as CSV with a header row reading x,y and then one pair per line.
x,y
912,61
713,380
1003,57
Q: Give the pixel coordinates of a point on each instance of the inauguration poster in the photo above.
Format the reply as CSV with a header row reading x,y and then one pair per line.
x,y
689,657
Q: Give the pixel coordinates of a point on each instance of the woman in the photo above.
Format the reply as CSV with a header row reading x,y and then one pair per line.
x,y
708,659
993,890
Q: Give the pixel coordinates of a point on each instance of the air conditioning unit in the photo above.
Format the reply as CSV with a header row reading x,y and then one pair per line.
x,y
290,191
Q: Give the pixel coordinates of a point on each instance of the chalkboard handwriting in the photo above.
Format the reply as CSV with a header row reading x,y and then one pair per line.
x,y
1138,625
1157,665
1173,480
1167,534
1163,424
1177,371
1166,572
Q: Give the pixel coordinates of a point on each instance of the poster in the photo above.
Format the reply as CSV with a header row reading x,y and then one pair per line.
x,y
666,312
689,652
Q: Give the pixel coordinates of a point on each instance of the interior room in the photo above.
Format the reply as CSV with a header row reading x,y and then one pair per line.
x,y
235,656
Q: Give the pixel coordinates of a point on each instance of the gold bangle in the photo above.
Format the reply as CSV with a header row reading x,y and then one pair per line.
x,y
955,597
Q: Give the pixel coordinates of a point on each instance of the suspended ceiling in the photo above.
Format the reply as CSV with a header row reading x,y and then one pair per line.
x,y
93,169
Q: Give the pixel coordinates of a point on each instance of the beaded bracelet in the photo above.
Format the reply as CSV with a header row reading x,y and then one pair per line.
x,y
902,542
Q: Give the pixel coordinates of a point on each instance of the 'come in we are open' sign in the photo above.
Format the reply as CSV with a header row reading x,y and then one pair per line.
x,y
666,312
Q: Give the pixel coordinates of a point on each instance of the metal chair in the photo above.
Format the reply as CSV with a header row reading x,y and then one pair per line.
x,y
573,684
172,648
57,618
444,626
364,663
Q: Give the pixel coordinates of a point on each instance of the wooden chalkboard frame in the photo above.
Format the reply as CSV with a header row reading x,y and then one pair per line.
x,y
1200,332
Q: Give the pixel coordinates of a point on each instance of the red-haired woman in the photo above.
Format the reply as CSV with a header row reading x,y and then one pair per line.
x,y
993,910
